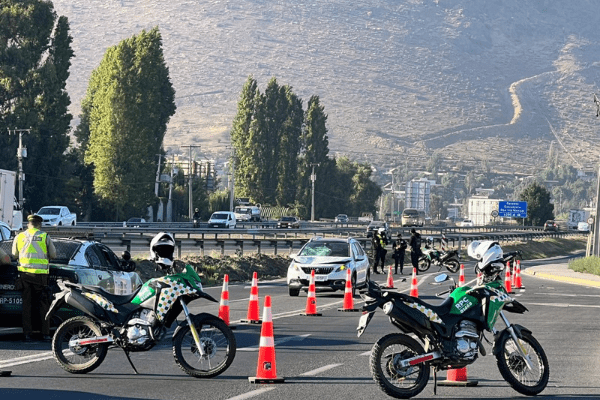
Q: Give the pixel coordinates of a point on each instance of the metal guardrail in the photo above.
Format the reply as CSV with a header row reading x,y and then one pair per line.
x,y
273,241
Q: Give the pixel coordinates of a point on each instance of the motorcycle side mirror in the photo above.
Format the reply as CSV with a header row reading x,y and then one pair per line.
x,y
126,255
441,278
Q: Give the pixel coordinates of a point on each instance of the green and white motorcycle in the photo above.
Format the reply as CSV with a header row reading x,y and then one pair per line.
x,y
203,345
450,335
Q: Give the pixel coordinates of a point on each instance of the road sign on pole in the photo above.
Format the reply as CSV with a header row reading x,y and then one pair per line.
x,y
512,209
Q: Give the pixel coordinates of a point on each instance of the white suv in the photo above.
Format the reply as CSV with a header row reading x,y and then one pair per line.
x,y
330,258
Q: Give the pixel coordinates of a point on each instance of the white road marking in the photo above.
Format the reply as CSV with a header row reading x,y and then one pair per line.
x,y
366,353
253,393
319,370
564,305
569,295
277,342
25,360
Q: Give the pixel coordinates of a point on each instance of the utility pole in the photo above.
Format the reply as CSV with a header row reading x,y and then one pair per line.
x,y
231,177
21,154
313,178
170,201
157,183
191,200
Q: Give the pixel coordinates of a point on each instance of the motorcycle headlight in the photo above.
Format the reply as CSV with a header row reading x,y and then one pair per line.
x,y
387,307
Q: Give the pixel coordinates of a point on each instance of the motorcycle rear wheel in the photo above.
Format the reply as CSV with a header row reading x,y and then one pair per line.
x,y
514,370
78,359
452,265
395,381
423,264
218,344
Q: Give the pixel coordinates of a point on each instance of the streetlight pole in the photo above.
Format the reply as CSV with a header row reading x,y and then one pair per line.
x,y
21,154
231,179
191,200
313,178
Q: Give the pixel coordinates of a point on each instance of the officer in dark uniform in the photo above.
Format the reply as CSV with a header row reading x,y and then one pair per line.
x,y
34,249
415,249
400,246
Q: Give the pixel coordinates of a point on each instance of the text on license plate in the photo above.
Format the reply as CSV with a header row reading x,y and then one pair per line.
x,y
320,278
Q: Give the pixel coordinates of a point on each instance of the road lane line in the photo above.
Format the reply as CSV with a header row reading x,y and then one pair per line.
x,y
564,305
277,342
319,370
366,353
26,359
253,393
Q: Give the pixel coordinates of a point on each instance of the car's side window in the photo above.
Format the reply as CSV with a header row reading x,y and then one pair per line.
x,y
92,257
111,258
5,234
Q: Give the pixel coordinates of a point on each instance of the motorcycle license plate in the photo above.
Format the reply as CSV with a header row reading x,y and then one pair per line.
x,y
320,278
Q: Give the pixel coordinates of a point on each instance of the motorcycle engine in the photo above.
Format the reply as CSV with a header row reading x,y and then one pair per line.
x,y
138,331
466,339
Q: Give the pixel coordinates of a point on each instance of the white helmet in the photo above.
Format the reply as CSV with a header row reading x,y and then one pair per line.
x,y
381,230
162,248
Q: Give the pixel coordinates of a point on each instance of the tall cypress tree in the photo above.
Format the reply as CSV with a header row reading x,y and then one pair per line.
x,y
129,102
35,54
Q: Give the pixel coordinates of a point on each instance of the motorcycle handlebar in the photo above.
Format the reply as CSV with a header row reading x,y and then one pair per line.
x,y
443,293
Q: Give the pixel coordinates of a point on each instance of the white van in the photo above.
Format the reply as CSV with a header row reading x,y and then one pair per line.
x,y
222,219
247,213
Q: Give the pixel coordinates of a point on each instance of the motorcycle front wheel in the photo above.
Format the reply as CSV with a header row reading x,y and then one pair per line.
x,y
78,359
218,345
423,264
452,265
395,380
514,369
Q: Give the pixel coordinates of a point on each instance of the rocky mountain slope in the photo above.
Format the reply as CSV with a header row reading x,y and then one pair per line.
x,y
495,81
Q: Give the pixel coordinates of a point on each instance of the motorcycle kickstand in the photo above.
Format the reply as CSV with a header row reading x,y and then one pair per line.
x,y
130,362
434,369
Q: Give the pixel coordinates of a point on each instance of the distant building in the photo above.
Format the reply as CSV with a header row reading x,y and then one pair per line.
x,y
418,194
480,209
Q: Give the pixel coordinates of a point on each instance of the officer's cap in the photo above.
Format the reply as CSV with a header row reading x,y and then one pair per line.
x,y
35,218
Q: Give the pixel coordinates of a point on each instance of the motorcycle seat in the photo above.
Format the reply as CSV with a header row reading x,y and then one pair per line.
x,y
440,309
116,299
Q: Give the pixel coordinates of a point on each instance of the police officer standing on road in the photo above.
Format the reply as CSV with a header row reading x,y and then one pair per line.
x,y
399,249
415,249
376,246
34,249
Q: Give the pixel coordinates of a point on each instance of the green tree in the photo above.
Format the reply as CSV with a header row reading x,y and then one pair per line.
x,y
129,102
539,208
35,54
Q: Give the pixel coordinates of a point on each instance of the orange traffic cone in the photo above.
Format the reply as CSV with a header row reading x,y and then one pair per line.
x,y
461,276
348,299
266,370
414,290
518,282
457,377
252,315
390,279
507,283
311,300
224,305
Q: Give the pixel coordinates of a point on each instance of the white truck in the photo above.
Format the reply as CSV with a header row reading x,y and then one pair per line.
x,y
10,212
57,216
577,216
247,213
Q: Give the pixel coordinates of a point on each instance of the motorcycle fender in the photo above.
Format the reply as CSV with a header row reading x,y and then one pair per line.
x,y
515,307
195,318
500,336
57,303
208,297
82,303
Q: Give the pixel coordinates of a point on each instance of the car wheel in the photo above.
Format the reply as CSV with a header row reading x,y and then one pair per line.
x,y
293,292
353,279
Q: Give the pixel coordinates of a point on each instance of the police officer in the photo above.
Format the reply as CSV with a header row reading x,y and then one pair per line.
x,y
415,249
196,218
400,246
34,249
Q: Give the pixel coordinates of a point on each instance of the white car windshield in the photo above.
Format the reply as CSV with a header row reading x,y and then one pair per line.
x,y
219,216
49,211
326,249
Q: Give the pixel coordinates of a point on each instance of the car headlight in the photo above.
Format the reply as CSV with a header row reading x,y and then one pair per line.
x,y
295,267
341,268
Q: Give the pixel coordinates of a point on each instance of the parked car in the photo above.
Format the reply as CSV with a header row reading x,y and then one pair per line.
x,y
135,222
222,219
330,258
551,225
375,225
583,226
5,231
341,218
78,261
466,222
288,222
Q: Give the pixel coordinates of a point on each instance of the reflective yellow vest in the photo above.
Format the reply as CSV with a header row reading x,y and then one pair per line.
x,y
33,252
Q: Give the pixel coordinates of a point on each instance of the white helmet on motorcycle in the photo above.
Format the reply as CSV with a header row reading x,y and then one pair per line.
x,y
162,248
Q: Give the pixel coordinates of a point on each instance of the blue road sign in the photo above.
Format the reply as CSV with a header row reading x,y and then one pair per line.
x,y
512,209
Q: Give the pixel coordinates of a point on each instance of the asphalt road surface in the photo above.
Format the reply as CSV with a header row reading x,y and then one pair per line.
x,y
321,357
